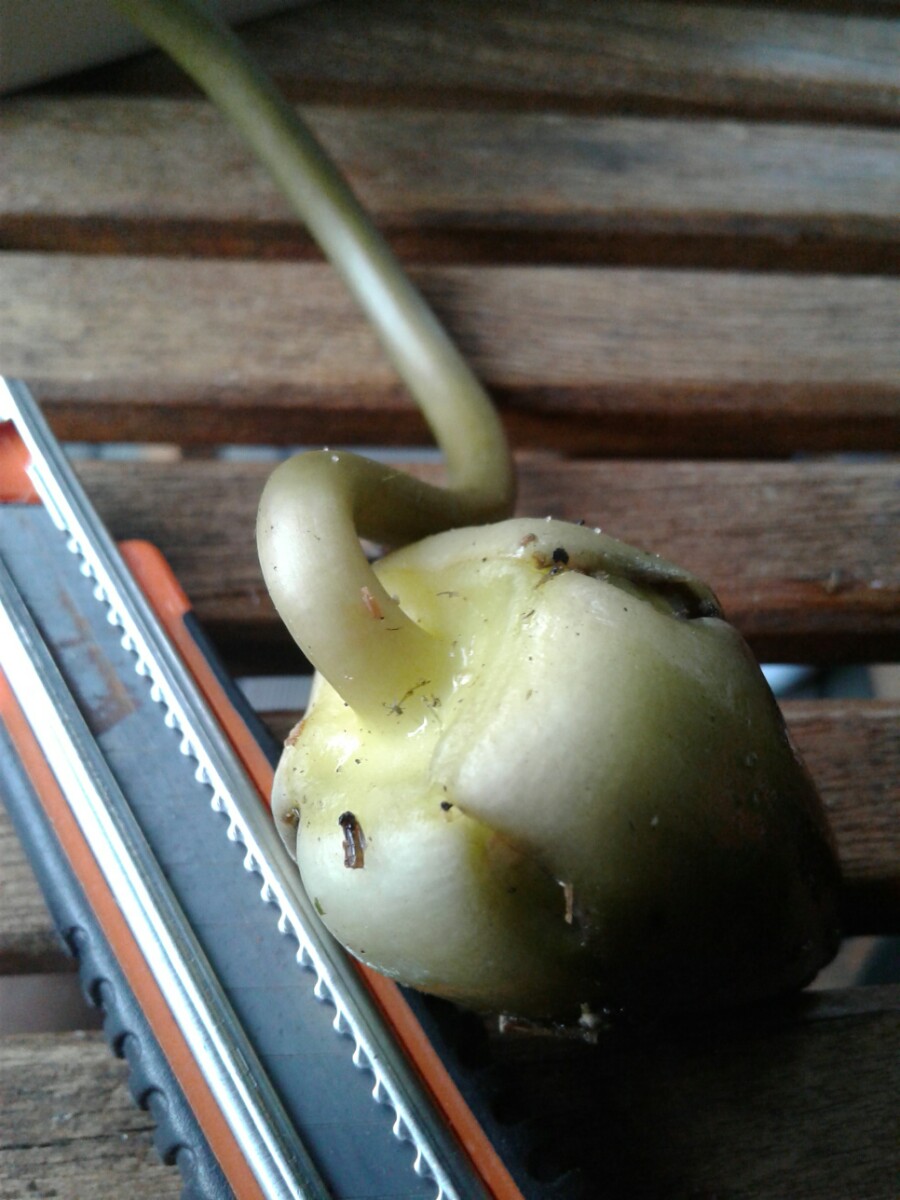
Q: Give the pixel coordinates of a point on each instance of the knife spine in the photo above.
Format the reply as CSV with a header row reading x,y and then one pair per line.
x,y
395,1082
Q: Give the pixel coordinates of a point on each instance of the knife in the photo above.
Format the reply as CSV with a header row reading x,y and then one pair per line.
x,y
275,1064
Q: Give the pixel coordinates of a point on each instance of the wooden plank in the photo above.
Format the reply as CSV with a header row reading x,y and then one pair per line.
x,y
804,556
589,361
751,60
835,738
735,1107
170,177
70,1127
765,1104
852,749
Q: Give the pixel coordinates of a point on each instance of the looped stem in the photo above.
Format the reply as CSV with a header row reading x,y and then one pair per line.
x,y
313,510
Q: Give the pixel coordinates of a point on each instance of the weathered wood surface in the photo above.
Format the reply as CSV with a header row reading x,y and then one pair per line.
x,y
767,1104
788,1102
804,556
589,361
70,1128
836,64
467,185
852,749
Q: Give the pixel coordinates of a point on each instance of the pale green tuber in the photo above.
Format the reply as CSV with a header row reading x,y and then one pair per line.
x,y
539,772
580,792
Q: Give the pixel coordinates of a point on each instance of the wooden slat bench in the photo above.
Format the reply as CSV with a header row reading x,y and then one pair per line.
x,y
668,236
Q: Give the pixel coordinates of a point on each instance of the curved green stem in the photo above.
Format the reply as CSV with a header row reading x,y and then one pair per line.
x,y
453,401
480,473
324,589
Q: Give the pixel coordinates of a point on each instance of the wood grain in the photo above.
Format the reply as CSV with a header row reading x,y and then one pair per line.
x,y
852,749
614,1111
589,361
803,556
762,1104
170,177
70,1127
749,60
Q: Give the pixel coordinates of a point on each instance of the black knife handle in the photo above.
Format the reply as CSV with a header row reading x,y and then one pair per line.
x,y
177,1136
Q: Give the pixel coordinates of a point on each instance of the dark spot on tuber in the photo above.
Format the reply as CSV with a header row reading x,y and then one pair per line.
x,y
354,841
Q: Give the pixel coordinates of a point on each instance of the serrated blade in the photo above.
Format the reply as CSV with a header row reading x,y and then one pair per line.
x,y
277,1156
271,1143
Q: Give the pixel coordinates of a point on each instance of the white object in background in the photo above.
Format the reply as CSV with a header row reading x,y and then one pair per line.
x,y
40,39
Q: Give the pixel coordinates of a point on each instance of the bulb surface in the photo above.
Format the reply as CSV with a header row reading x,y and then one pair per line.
x,y
586,795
